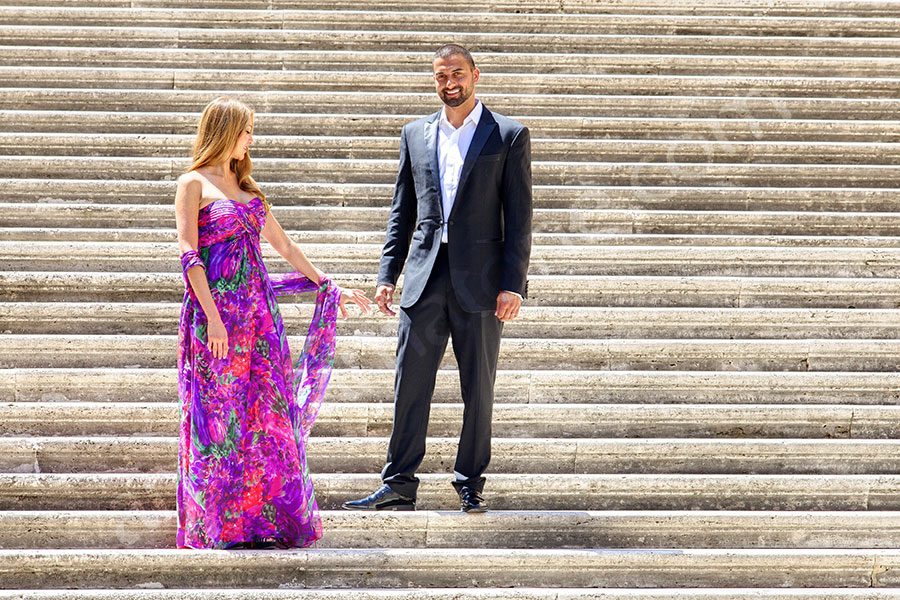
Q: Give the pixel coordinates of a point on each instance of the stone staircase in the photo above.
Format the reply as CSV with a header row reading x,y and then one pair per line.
x,y
698,402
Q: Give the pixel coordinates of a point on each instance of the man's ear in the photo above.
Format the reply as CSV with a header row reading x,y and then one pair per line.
x,y
475,75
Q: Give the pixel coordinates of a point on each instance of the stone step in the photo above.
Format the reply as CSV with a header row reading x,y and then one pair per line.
x,y
497,529
171,568
139,145
367,124
358,419
484,593
557,260
524,456
91,351
32,193
730,42
538,64
727,388
538,238
675,104
876,19
544,290
384,171
558,491
141,318
391,82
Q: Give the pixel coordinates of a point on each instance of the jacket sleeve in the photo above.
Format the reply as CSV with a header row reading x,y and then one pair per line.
x,y
517,207
401,222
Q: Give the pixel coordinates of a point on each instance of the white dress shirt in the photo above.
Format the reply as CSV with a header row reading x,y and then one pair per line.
x,y
453,145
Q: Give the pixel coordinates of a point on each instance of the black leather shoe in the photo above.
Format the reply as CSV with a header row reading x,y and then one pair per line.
x,y
384,498
472,501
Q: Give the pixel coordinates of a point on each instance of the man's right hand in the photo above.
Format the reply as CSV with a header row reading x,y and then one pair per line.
x,y
384,296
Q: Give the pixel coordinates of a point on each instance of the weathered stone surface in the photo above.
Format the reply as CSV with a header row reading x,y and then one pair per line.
x,y
497,529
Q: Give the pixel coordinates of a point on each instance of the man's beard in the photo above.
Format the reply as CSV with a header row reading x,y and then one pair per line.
x,y
454,102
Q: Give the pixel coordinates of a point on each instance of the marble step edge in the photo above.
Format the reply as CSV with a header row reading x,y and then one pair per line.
x,y
539,64
555,491
136,529
524,456
70,350
510,420
367,123
533,321
421,103
450,568
483,593
544,290
512,386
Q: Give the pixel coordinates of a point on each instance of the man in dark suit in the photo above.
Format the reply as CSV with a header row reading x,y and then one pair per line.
x,y
463,202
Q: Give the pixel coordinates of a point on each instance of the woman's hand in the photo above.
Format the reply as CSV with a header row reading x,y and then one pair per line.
x,y
358,297
217,337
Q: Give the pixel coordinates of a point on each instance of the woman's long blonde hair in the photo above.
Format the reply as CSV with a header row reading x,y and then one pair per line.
x,y
221,125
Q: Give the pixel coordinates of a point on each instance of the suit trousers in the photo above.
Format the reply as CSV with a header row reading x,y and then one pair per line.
x,y
424,329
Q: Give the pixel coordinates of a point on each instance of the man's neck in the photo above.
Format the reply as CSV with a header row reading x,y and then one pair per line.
x,y
456,115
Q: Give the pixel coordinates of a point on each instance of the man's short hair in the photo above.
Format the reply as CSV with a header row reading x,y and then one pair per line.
x,y
448,50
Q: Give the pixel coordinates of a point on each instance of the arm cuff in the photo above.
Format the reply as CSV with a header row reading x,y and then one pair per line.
x,y
189,259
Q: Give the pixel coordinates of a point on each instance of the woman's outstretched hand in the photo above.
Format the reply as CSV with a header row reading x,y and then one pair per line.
x,y
358,297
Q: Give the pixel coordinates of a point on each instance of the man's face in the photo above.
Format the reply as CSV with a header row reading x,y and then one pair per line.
x,y
454,79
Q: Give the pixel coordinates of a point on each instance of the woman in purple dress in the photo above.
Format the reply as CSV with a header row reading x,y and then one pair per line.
x,y
246,410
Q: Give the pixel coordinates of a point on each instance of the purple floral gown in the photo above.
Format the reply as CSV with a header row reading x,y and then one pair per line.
x,y
242,473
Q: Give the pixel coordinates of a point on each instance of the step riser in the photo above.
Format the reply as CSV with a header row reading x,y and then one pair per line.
x,y
824,19
598,128
541,64
682,105
52,233
158,193
146,530
497,83
510,456
557,291
72,257
542,421
532,322
584,387
25,351
464,594
479,43
384,148
442,568
504,492
546,173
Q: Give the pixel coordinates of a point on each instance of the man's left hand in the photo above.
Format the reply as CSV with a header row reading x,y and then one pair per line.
x,y
508,305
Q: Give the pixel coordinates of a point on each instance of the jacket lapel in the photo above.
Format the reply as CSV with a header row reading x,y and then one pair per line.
x,y
485,127
431,149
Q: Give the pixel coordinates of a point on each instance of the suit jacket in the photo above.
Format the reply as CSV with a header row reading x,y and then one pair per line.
x,y
489,226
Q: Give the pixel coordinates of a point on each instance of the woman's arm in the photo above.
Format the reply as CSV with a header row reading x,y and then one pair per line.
x,y
187,209
287,248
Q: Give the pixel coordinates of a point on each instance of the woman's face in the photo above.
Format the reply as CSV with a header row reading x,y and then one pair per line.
x,y
243,143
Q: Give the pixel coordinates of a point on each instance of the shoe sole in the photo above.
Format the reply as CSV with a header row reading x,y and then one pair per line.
x,y
405,507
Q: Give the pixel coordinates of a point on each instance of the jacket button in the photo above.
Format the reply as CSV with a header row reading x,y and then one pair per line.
x,y
449,222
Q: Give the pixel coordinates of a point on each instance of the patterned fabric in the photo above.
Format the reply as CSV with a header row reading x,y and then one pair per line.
x,y
242,473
